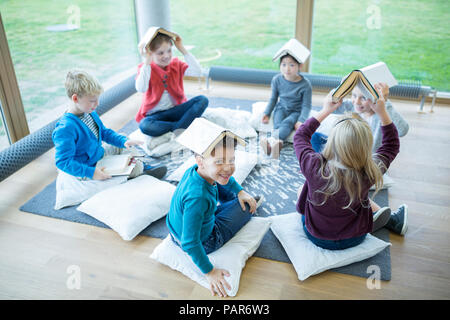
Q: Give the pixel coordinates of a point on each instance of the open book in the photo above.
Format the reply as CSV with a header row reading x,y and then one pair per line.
x,y
293,47
203,135
151,33
117,165
364,79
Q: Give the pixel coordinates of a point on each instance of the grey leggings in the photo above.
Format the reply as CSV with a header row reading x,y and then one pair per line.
x,y
284,122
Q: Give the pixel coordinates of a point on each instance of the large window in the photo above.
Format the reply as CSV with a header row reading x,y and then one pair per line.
x,y
411,36
4,141
234,32
47,38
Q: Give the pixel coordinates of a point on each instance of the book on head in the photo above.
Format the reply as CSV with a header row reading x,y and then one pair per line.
x,y
294,48
151,33
202,136
364,79
117,165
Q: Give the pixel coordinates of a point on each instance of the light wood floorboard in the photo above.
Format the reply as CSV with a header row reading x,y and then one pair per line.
x,y
36,251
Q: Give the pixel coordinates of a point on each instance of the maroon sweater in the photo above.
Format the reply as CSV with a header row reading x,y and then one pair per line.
x,y
329,221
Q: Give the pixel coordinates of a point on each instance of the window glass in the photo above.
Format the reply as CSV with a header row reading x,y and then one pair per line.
x,y
233,32
411,36
48,38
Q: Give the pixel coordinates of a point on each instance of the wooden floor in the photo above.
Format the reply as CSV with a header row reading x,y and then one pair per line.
x,y
36,252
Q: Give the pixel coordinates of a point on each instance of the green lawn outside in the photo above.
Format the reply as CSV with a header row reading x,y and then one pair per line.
x,y
413,38
105,44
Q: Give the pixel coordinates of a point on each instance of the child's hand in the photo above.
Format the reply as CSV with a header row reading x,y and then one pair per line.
x,y
328,107
179,45
130,143
145,53
265,119
148,58
384,89
380,107
244,198
297,125
217,282
328,103
100,174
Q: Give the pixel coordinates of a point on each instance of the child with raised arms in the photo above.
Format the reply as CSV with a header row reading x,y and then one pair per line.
x,y
334,202
164,106
364,107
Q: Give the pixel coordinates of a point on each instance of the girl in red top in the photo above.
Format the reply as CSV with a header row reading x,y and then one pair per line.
x,y
164,106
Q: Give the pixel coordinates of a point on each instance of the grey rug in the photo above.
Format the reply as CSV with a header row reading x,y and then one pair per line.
x,y
277,181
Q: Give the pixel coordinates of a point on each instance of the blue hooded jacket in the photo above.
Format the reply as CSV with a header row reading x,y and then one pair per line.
x,y
77,148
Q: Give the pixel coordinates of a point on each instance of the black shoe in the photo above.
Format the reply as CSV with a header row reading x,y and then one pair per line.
x,y
398,222
380,218
157,172
259,200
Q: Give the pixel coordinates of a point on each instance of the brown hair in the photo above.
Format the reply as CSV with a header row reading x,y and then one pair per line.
x,y
158,41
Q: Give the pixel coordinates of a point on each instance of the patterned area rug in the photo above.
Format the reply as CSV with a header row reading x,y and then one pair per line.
x,y
278,181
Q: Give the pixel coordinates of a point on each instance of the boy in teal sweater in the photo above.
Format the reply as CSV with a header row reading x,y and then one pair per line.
x,y
195,220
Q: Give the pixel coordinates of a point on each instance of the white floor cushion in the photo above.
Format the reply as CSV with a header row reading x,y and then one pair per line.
x,y
309,259
130,207
71,191
237,121
231,257
244,163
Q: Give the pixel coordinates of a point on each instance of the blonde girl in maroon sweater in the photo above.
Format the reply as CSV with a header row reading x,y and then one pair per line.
x,y
337,212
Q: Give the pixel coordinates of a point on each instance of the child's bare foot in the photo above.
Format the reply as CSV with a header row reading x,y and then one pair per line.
x,y
276,149
265,145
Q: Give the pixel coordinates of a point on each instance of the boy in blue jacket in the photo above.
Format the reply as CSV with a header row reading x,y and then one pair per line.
x,y
79,134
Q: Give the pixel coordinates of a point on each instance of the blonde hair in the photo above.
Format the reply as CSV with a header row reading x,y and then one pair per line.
x,y
82,83
349,161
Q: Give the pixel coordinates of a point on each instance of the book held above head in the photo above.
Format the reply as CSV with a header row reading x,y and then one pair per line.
x,y
202,136
151,33
294,48
365,79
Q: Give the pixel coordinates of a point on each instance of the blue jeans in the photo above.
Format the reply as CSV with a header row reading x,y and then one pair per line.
x,y
284,121
180,116
229,219
332,244
318,141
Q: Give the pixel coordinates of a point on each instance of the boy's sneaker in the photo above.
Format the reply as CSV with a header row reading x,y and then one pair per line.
x,y
380,218
259,200
398,222
265,145
157,172
276,149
